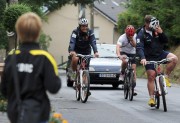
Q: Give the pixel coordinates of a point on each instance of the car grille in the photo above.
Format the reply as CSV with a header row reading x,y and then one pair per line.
x,y
106,68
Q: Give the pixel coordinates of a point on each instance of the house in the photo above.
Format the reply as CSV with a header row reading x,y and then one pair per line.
x,y
61,23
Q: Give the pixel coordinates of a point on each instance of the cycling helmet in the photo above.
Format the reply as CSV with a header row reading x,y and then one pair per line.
x,y
130,30
153,23
83,21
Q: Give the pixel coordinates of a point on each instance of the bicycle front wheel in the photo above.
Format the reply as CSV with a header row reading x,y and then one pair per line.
x,y
126,89
85,86
131,85
161,82
77,87
157,96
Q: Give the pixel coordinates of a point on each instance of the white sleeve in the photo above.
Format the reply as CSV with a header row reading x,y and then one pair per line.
x,y
120,41
134,37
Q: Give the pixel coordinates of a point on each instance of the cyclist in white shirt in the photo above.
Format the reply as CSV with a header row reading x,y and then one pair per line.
x,y
126,46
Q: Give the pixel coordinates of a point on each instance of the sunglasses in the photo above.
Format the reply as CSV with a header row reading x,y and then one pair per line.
x,y
84,25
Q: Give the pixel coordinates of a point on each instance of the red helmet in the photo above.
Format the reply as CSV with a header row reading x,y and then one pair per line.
x,y
130,30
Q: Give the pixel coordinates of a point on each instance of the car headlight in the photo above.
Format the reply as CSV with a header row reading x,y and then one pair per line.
x,y
91,69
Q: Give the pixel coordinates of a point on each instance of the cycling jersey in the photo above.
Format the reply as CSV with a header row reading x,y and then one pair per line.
x,y
149,44
37,72
81,42
125,44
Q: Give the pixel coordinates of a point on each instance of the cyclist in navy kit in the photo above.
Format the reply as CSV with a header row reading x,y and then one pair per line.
x,y
81,41
150,44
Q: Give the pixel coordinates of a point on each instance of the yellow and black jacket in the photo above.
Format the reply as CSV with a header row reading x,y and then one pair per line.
x,y
37,73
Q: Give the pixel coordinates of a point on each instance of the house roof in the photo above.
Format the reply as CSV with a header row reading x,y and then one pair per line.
x,y
110,8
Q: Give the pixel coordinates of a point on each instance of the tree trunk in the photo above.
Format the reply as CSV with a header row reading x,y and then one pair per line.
x,y
12,41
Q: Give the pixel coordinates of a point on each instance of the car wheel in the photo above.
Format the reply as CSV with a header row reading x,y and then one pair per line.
x,y
115,85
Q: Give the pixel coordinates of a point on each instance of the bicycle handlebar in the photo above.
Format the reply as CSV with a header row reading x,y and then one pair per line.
x,y
80,55
159,62
131,58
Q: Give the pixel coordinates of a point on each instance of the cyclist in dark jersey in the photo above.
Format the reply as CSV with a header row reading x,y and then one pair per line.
x,y
81,41
150,44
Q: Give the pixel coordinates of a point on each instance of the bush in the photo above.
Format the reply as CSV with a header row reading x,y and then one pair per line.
x,y
12,13
2,8
44,41
3,38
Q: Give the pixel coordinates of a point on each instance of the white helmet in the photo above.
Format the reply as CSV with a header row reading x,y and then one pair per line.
x,y
153,23
83,21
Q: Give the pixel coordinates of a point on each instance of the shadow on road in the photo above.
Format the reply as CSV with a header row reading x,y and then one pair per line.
x,y
104,88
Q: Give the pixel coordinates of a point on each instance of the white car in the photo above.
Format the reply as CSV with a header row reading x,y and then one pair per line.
x,y
106,68
102,70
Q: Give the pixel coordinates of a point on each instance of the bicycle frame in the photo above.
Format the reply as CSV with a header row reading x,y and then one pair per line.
x,y
83,64
159,73
82,69
159,83
129,65
129,79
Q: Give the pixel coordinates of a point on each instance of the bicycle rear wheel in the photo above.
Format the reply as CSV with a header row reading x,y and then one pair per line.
x,y
126,89
157,96
131,85
85,86
161,82
78,87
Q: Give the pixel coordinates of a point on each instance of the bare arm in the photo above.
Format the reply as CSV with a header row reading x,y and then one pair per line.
x,y
118,49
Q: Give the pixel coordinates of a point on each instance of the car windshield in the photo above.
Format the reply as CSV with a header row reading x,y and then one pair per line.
x,y
106,50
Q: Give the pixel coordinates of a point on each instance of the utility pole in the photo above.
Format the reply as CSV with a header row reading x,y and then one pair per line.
x,y
92,16
82,11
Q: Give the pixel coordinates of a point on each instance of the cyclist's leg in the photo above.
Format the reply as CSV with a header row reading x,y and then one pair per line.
x,y
151,76
123,67
74,62
170,66
124,62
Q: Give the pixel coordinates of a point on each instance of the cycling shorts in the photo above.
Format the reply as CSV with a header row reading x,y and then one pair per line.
x,y
160,57
129,55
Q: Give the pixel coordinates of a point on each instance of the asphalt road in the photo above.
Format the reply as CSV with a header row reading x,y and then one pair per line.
x,y
107,105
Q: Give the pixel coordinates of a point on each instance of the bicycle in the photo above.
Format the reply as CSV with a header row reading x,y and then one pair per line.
x,y
82,79
129,80
159,83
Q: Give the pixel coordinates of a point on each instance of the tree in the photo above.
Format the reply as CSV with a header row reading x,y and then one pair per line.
x,y
56,4
3,36
44,41
2,8
167,11
12,13
34,5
